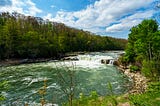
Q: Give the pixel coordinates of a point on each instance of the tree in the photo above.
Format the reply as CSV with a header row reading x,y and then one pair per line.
x,y
143,47
32,37
140,40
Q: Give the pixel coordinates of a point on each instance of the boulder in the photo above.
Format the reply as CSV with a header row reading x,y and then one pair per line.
x,y
105,61
110,61
116,62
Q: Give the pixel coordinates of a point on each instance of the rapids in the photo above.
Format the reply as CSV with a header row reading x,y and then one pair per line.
x,y
89,74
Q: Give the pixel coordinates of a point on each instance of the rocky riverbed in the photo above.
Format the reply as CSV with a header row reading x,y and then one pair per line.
x,y
139,81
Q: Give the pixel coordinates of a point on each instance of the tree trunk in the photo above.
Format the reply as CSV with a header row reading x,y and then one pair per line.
x,y
150,51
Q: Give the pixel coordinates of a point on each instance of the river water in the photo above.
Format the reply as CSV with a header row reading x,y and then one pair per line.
x,y
89,75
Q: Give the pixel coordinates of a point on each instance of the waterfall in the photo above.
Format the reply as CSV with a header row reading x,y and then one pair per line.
x,y
111,62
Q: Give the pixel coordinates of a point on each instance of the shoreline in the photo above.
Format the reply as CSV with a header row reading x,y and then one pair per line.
x,y
17,61
10,62
139,81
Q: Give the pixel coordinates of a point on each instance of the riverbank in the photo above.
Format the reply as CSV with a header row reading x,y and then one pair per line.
x,y
9,62
18,61
139,81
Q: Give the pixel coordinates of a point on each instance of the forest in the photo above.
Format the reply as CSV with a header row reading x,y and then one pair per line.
x,y
32,37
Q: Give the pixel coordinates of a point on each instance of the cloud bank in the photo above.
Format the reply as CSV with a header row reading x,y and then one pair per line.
x,y
104,17
107,16
26,7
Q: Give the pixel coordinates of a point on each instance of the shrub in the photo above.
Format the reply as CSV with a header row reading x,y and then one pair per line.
x,y
134,68
149,98
154,87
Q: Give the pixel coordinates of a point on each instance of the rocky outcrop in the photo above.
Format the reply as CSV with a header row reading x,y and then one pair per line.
x,y
110,61
105,61
116,62
139,81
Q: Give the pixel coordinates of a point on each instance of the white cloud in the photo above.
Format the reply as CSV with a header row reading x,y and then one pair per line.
x,y
26,7
103,13
104,16
15,6
32,10
130,21
48,17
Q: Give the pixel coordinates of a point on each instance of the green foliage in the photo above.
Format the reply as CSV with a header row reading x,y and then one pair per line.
x,y
32,37
111,99
140,100
151,69
149,98
95,100
147,69
140,41
123,61
82,99
130,54
3,87
134,68
143,48
110,88
94,95
154,87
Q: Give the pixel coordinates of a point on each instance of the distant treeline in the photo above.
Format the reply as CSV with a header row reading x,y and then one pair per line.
x,y
32,37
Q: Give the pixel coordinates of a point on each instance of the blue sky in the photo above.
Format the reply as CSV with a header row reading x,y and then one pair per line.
x,y
104,17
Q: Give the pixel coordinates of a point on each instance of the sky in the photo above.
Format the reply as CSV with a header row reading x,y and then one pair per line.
x,y
103,17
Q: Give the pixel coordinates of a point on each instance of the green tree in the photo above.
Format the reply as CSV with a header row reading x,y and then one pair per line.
x,y
32,37
143,46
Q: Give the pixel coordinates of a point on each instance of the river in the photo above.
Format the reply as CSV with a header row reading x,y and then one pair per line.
x,y
89,75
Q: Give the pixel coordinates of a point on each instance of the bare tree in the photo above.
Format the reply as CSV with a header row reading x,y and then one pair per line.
x,y
67,81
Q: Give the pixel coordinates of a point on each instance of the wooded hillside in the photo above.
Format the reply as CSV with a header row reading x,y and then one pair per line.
x,y
32,37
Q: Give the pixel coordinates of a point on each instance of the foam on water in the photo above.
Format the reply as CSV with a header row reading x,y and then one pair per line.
x,y
85,61
54,85
27,79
